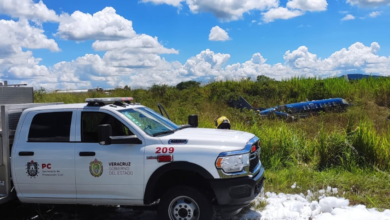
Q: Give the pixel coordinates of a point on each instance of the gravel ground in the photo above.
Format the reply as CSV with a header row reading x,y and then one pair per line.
x,y
17,211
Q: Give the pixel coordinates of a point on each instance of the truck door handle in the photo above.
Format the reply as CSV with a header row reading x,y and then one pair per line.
x,y
86,154
26,153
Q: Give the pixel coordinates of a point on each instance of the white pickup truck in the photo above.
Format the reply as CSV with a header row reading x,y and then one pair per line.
x,y
110,151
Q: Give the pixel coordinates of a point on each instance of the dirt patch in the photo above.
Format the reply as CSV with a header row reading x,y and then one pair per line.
x,y
18,211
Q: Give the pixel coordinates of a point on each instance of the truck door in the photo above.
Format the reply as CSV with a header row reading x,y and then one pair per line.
x,y
43,156
107,171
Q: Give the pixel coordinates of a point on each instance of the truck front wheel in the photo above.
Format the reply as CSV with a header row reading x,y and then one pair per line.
x,y
185,203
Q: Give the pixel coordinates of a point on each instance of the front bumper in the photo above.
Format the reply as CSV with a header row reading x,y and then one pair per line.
x,y
233,194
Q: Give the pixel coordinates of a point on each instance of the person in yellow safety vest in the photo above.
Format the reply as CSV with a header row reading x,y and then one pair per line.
x,y
222,123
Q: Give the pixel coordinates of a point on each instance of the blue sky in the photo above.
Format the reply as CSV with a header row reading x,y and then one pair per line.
x,y
82,44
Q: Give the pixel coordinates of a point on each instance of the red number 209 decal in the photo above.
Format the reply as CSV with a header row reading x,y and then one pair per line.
x,y
165,150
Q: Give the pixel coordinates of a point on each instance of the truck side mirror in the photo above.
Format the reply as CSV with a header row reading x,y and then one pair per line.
x,y
104,133
193,120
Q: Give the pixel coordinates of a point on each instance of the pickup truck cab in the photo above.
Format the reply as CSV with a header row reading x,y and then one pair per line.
x,y
111,151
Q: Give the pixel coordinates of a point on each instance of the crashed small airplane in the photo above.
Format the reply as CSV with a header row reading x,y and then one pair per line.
x,y
294,110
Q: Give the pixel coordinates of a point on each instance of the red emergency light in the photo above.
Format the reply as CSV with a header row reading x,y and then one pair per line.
x,y
253,148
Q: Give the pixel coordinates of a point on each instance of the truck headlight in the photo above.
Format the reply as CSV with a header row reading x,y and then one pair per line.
x,y
234,163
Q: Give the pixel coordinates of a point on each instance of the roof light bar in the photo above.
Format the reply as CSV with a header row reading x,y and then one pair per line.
x,y
105,101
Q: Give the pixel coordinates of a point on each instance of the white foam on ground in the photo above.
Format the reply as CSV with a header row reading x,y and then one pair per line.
x,y
315,206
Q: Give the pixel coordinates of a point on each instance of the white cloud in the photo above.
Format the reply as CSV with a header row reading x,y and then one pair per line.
x,y
138,52
20,65
227,10
103,25
126,53
116,69
280,13
113,69
128,60
138,44
302,59
28,9
348,17
16,63
308,5
21,34
218,34
375,14
145,70
357,57
176,3
294,9
368,3
113,34
205,63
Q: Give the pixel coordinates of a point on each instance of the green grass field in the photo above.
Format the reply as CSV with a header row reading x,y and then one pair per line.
x,y
348,150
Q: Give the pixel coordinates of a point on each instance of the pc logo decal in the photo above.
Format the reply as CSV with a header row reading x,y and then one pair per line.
x,y
96,168
32,169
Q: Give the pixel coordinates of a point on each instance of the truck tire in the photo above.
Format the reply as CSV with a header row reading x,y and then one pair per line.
x,y
185,203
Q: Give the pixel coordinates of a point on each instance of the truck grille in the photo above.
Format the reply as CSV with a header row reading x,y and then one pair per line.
x,y
254,158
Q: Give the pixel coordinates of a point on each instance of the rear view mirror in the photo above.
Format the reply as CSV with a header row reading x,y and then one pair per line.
x,y
193,120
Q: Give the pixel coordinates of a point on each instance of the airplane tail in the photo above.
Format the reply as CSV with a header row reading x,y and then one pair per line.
x,y
242,103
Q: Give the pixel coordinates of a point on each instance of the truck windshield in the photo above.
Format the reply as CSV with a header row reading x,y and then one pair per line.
x,y
151,122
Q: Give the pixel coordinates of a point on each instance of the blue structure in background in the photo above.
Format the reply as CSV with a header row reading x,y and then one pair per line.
x,y
357,76
291,111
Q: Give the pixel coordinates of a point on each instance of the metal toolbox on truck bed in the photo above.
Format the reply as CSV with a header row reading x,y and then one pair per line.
x,y
16,95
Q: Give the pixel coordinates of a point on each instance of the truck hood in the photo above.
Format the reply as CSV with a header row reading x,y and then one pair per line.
x,y
232,139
